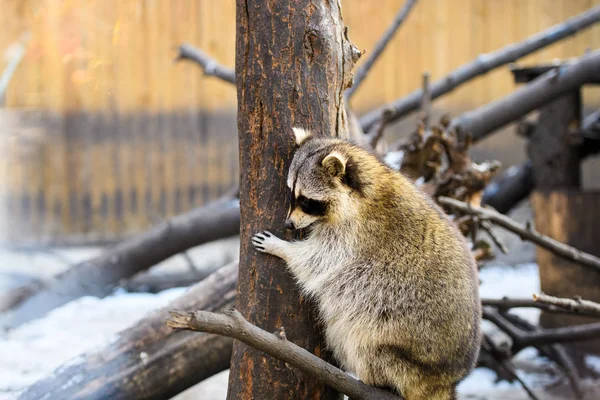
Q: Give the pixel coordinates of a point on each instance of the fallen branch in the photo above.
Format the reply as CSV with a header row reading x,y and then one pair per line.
x,y
502,360
157,219
522,339
506,304
233,324
513,186
11,297
149,360
565,361
485,63
154,283
210,66
555,352
577,305
364,68
95,277
525,232
483,120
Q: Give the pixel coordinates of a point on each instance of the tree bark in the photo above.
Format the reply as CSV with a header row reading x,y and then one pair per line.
x,y
150,360
556,161
95,277
293,62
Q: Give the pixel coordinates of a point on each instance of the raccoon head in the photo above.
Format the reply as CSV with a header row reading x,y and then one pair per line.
x,y
322,180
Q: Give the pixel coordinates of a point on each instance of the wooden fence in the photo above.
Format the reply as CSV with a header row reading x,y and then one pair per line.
x,y
103,132
83,178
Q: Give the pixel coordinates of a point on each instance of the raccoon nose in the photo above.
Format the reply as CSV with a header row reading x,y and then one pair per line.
x,y
289,225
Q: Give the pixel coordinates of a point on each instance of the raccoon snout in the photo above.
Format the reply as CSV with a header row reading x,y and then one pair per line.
x,y
289,225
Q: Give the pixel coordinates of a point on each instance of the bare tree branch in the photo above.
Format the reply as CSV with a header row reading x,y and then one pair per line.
x,y
506,304
154,283
525,232
157,219
210,66
486,62
522,339
563,359
577,305
13,63
502,359
364,68
554,83
487,227
355,132
233,324
376,134
555,352
425,103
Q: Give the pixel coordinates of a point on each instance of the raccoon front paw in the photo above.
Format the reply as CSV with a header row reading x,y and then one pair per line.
x,y
266,242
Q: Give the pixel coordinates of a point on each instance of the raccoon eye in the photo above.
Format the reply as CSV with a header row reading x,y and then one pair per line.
x,y
312,207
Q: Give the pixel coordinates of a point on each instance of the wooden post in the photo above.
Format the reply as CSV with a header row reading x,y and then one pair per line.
x,y
561,210
555,158
293,62
569,216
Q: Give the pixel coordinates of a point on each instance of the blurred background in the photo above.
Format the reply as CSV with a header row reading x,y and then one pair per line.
x,y
101,129
104,135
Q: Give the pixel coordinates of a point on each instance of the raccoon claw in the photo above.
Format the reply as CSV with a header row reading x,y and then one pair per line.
x,y
258,240
266,242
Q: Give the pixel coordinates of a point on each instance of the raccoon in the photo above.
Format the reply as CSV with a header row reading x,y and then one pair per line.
x,y
394,280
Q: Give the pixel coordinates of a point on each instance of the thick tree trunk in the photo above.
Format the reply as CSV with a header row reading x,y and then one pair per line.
x,y
293,62
95,277
150,360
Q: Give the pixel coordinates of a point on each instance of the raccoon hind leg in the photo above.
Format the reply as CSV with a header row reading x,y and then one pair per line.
x,y
388,367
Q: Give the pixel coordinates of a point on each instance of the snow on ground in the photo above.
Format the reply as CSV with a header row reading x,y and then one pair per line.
x,y
37,348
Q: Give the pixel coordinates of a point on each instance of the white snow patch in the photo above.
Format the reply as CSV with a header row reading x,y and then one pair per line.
x,y
394,159
593,362
37,348
480,380
522,281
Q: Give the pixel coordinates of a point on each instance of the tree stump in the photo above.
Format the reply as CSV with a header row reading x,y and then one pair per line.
x,y
570,217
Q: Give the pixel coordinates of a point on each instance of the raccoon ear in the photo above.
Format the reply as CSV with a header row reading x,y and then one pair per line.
x,y
335,164
301,135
